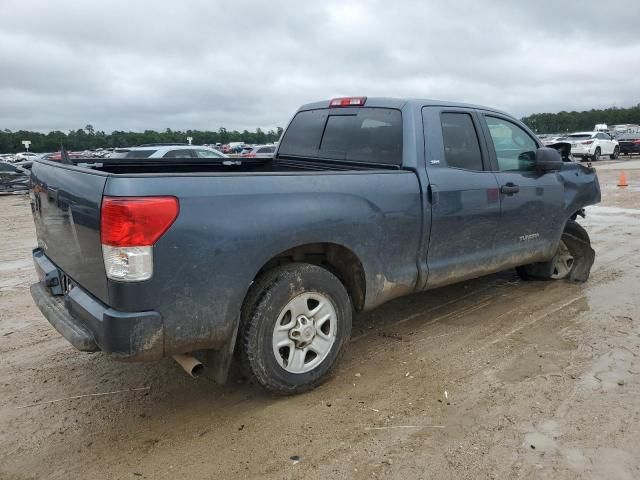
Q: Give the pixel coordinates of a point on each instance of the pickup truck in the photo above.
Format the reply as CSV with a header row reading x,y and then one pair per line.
x,y
266,260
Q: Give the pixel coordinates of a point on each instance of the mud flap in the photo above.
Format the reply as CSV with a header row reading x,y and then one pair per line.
x,y
217,362
583,257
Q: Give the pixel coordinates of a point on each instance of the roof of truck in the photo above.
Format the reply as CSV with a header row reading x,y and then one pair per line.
x,y
391,102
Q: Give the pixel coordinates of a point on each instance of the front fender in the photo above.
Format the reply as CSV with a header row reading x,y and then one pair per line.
x,y
581,188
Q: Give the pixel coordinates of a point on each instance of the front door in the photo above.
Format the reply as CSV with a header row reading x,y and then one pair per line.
x,y
463,194
532,209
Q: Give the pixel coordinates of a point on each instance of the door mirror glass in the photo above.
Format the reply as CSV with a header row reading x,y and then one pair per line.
x,y
548,159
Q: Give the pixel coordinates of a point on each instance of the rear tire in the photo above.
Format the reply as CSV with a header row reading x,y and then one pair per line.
x,y
615,154
572,261
294,327
596,154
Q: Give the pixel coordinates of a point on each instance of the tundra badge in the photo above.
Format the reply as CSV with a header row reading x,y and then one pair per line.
x,y
531,236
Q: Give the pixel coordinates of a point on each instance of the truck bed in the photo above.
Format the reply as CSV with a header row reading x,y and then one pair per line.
x,y
231,224
231,165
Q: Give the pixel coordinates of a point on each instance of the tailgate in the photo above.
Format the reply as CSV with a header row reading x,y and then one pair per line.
x,y
66,210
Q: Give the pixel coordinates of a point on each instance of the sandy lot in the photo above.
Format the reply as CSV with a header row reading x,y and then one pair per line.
x,y
492,378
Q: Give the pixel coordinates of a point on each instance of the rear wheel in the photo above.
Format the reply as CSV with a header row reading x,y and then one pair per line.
x,y
295,328
616,152
572,261
596,154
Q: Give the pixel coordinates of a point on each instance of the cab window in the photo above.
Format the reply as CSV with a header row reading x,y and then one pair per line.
x,y
461,145
515,149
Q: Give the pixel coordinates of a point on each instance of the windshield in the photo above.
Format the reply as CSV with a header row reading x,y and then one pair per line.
x,y
578,136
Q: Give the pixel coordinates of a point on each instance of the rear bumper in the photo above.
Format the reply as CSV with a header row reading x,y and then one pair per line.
x,y
582,150
580,153
90,325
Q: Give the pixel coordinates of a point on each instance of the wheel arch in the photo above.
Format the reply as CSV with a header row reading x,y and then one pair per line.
x,y
338,259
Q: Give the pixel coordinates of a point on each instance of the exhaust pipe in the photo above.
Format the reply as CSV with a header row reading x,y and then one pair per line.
x,y
190,364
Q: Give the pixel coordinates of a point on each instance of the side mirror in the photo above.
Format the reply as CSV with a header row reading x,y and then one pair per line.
x,y
548,159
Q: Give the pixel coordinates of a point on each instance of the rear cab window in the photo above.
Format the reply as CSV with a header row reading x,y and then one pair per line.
x,y
362,135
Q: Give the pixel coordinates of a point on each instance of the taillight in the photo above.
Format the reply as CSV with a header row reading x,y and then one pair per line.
x,y
348,102
636,142
129,227
588,142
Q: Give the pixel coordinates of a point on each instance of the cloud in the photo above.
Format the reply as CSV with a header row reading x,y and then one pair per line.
x,y
199,64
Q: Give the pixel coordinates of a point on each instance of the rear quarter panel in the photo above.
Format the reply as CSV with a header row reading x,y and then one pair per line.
x,y
230,226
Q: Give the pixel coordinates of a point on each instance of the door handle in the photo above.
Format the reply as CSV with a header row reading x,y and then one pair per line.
x,y
509,189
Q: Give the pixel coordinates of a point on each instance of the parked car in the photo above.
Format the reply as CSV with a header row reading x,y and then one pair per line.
x,y
629,144
19,157
260,151
551,139
24,165
272,260
14,177
592,145
625,128
238,149
167,151
233,147
57,156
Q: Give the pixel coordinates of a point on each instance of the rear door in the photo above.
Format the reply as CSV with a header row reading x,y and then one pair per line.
x,y
463,193
531,203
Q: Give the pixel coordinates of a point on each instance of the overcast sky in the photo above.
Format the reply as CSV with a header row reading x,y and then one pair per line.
x,y
203,64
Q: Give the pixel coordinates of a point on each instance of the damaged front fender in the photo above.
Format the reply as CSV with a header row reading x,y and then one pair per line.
x,y
581,187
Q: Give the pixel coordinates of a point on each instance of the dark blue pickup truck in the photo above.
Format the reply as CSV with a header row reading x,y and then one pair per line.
x,y
365,200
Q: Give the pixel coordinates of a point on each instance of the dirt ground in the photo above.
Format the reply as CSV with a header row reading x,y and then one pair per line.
x,y
491,378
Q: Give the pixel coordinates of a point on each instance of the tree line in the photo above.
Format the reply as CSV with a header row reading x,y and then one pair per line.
x,y
563,122
88,138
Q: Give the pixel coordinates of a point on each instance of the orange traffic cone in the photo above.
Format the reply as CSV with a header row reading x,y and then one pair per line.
x,y
623,180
